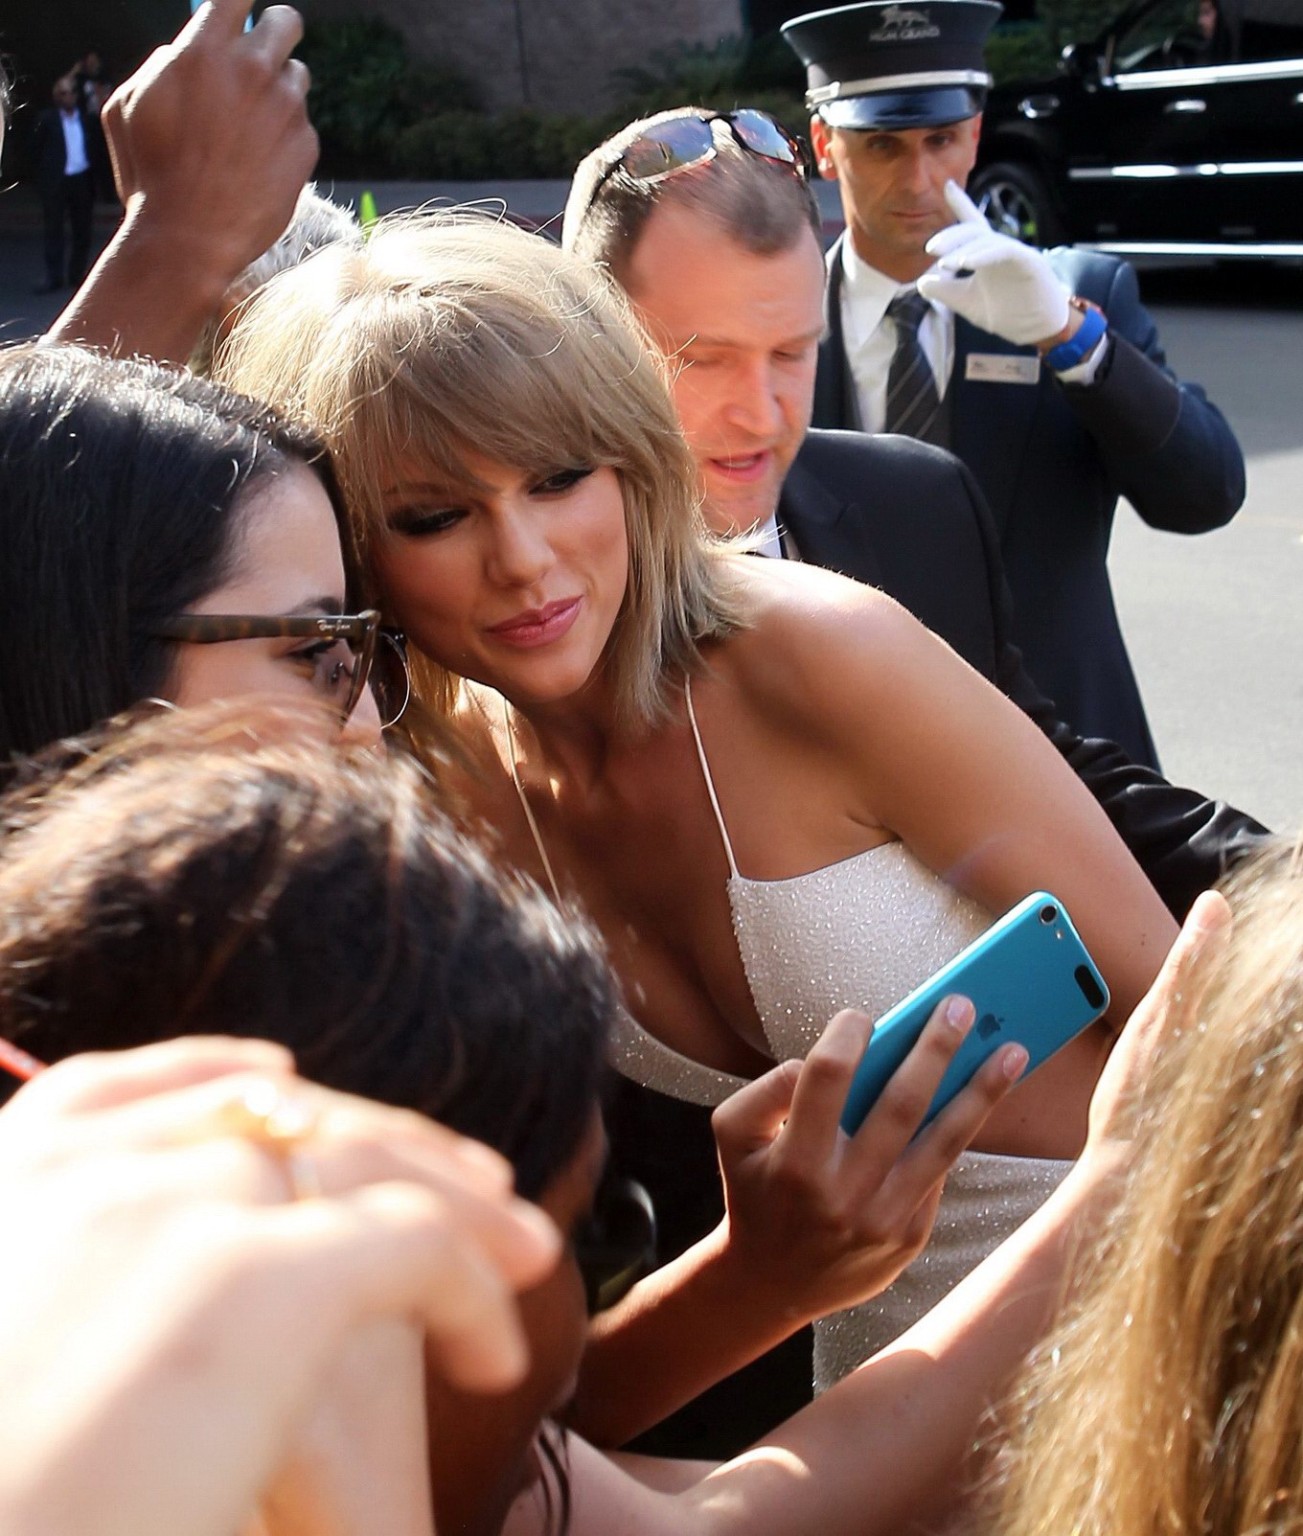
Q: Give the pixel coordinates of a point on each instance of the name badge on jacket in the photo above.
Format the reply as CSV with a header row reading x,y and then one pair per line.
x,y
1002,368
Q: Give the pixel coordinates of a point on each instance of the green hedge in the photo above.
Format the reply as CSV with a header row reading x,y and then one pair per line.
x,y
366,92
379,114
1021,51
469,146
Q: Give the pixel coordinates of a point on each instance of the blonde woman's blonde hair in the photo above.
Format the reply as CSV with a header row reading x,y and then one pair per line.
x,y
454,331
1170,1402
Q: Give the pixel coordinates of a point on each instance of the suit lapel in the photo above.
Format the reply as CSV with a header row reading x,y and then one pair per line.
x,y
813,515
834,390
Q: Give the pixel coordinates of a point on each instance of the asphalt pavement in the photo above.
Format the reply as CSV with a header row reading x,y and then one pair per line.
x,y
1214,623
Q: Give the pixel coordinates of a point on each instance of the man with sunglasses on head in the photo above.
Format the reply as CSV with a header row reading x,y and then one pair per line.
x,y
709,225
1040,370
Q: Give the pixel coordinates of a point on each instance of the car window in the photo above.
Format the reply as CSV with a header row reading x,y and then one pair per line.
x,y
1176,34
1159,39
1138,44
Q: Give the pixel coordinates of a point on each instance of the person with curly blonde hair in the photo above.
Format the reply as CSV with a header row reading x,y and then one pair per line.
x,y
1171,1399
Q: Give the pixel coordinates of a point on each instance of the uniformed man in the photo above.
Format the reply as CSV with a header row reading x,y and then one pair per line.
x,y
1040,370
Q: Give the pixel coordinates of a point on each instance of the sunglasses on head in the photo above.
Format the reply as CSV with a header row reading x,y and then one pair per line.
x,y
351,650
615,1246
678,143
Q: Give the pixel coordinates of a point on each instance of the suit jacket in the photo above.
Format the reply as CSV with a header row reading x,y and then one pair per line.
x,y
1052,460
909,518
49,151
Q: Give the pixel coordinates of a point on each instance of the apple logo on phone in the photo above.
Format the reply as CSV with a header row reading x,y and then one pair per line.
x,y
987,1026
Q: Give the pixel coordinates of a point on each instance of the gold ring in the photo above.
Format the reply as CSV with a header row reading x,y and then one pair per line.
x,y
280,1123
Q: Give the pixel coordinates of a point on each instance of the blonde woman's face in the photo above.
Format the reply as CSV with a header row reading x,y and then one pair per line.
x,y
512,580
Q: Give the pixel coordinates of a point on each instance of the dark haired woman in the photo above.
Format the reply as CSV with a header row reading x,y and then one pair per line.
x,y
194,886
161,537
298,896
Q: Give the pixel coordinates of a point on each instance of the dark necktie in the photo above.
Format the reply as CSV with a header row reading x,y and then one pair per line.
x,y
913,405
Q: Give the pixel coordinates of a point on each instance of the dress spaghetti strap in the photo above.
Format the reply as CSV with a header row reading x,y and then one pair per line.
x,y
710,783
526,807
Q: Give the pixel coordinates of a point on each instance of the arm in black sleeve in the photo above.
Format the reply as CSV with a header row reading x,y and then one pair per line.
x,y
1183,841
1165,446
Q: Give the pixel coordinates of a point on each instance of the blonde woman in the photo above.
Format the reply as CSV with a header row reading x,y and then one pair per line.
x,y
1171,1399
775,792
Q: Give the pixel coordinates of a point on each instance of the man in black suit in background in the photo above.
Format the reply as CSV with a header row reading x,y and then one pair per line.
x,y
67,150
719,245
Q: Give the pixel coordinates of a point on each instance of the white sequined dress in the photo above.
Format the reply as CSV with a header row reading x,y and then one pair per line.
x,y
861,933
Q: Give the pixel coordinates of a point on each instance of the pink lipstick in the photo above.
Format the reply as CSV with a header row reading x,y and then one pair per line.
x,y
538,626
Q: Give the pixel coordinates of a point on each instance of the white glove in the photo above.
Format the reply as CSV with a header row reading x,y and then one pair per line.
x,y
992,280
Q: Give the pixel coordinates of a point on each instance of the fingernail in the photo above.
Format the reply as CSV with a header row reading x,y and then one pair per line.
x,y
1014,1063
959,1014
476,1158
542,1230
1207,912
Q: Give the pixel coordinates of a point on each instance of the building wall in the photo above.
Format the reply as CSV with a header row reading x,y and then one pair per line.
x,y
552,55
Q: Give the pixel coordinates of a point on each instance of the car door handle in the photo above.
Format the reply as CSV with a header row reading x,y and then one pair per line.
x,y
1187,104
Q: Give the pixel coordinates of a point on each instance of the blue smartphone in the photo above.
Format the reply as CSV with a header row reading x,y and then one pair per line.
x,y
248,25
1031,981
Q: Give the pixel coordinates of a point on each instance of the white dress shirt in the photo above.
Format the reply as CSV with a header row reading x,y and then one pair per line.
x,y
75,160
775,542
871,338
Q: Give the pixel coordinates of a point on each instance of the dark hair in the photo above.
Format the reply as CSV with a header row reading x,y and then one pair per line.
x,y
763,207
192,881
121,487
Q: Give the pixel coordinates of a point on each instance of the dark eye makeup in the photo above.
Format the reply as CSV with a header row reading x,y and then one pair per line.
x,y
560,480
418,521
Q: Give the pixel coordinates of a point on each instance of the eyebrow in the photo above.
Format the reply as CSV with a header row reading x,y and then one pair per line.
x,y
394,496
331,605
699,339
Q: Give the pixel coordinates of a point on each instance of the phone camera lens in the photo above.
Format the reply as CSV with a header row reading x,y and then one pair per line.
x,y
1048,914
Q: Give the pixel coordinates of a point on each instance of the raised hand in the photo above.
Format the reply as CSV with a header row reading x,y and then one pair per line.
x,y
211,145
210,137
993,280
822,1220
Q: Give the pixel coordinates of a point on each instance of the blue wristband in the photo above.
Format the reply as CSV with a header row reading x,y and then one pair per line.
x,y
1069,353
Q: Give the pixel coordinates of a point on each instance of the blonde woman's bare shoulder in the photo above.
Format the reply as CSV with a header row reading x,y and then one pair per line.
x,y
829,631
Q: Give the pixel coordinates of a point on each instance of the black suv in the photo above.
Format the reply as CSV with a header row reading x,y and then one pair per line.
x,y
1179,131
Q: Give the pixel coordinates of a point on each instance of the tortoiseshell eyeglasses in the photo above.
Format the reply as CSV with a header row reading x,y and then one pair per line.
x,y
351,650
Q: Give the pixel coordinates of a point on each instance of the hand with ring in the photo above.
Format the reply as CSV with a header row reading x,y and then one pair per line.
x,y
199,1243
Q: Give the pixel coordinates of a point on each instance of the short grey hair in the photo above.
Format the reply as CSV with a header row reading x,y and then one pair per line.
x,y
317,222
761,206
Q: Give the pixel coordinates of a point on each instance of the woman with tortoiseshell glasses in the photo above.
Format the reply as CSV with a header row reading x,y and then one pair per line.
x,y
162,538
